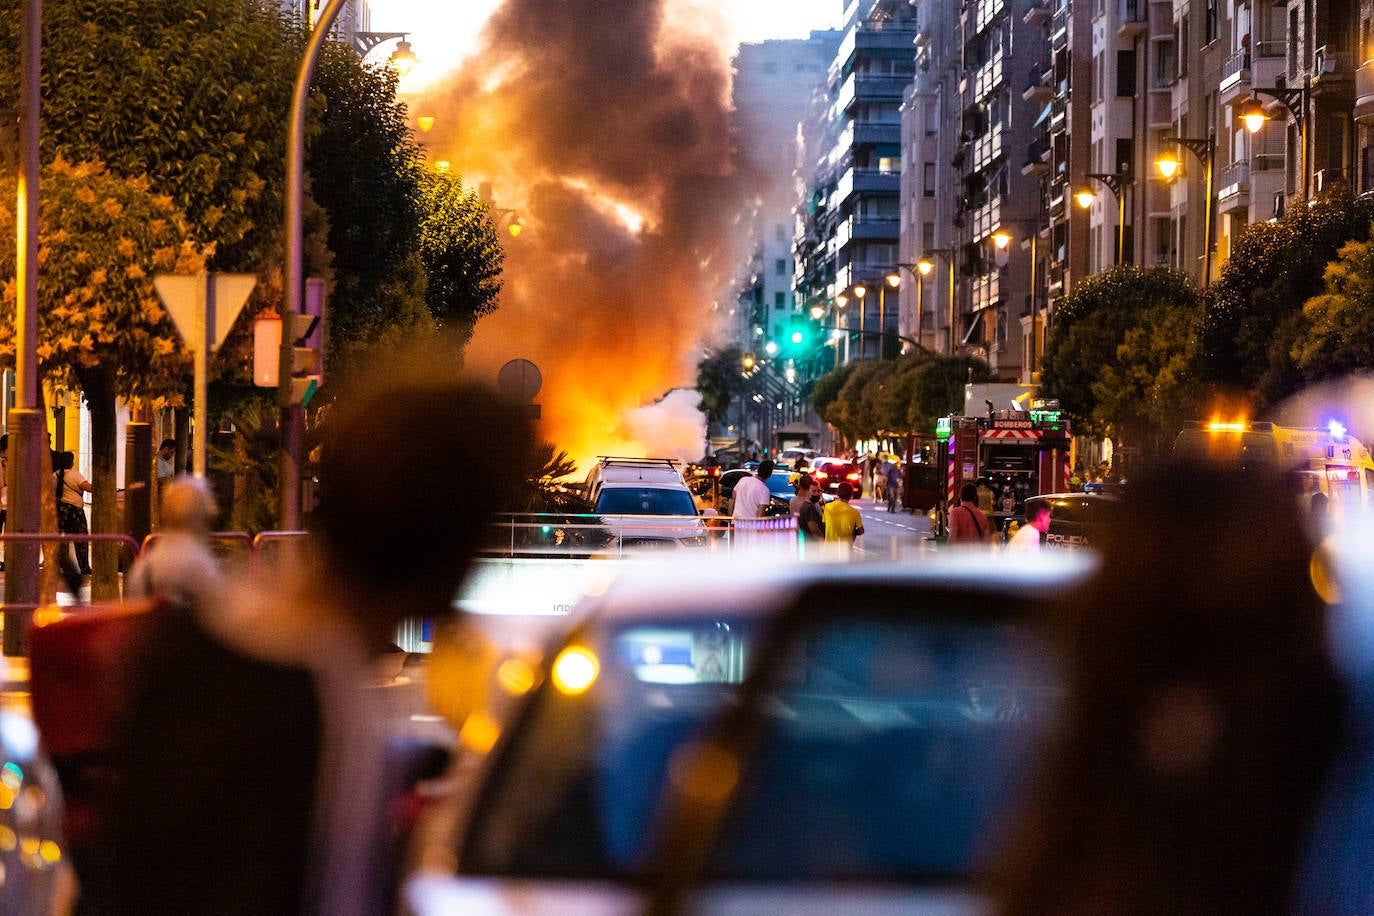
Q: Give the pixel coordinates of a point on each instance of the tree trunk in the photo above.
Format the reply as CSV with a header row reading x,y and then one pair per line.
x,y
100,398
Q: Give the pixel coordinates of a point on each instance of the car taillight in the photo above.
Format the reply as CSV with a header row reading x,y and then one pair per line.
x,y
820,475
852,475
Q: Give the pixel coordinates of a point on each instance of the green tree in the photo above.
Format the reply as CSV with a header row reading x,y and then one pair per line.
x,y
191,93
1338,335
719,383
1122,355
827,388
938,388
461,251
1252,324
101,326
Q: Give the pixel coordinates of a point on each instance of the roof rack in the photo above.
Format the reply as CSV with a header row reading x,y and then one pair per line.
x,y
620,459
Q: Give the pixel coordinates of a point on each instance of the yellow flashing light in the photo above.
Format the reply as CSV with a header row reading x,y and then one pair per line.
x,y
1216,426
575,670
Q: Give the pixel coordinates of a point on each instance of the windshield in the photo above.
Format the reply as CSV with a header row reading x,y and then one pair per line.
x,y
645,501
891,753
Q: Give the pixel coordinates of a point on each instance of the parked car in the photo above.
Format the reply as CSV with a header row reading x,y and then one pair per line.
x,y
839,738
1074,517
644,503
831,472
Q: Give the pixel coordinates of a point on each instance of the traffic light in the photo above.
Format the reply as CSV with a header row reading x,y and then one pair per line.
x,y
307,337
798,336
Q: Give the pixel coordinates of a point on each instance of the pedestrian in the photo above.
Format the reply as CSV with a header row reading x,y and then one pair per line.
x,y
967,523
71,488
752,496
166,458
1027,538
842,522
894,485
1200,714
252,772
178,565
805,507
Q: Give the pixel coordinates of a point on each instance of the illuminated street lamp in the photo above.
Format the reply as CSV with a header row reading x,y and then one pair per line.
x,y
1116,182
1295,100
1205,149
817,312
861,293
1001,239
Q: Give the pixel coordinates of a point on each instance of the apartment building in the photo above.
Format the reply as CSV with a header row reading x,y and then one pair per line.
x,y
849,224
773,88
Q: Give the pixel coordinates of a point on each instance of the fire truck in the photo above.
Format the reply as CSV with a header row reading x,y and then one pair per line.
x,y
1020,453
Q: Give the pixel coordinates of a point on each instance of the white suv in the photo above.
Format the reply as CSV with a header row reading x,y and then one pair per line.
x,y
624,491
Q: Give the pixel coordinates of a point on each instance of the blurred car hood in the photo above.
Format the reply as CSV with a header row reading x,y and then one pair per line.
x,y
429,894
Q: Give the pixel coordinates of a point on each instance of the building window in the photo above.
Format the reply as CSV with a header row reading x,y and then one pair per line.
x,y
932,114
780,267
928,185
779,301
780,232
1125,74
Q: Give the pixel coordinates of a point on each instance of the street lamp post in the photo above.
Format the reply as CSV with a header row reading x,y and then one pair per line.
x,y
1001,238
1205,149
1294,99
894,281
861,293
1116,182
920,270
26,420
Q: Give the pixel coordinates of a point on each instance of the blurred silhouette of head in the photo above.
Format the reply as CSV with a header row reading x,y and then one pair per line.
x,y
1201,707
414,464
765,468
188,505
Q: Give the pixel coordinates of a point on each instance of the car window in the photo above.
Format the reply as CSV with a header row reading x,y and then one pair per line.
x,y
645,501
891,752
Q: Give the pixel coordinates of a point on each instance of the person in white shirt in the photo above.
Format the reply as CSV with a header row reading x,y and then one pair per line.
x,y
1027,537
751,496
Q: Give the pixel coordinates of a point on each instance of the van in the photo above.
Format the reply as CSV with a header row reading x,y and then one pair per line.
x,y
1329,461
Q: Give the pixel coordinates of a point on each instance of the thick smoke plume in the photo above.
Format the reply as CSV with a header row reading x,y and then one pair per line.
x,y
606,124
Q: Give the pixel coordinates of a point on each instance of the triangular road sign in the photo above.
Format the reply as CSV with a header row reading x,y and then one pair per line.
x,y
189,299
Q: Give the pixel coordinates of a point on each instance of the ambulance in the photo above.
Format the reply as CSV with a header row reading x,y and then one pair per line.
x,y
1330,460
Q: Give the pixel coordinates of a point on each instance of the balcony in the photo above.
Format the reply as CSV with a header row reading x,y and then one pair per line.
x,y
1135,18
1038,89
1364,93
1036,164
866,181
1038,14
1332,70
866,229
1233,187
988,78
864,87
878,36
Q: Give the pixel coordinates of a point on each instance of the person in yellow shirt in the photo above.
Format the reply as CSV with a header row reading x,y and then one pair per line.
x,y
842,521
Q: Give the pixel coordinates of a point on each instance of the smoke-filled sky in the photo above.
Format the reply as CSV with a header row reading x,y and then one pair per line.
x,y
606,124
443,32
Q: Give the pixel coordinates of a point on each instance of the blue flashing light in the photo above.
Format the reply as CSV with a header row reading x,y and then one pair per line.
x,y
1336,428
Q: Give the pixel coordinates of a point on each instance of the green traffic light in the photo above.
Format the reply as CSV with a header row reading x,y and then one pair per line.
x,y
798,337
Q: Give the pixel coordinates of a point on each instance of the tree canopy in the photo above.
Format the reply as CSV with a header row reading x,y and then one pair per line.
x,y
719,382
1253,319
100,322
907,393
461,251
1338,325
1122,355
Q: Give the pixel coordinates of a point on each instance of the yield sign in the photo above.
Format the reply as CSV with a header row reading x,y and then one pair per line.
x,y
203,305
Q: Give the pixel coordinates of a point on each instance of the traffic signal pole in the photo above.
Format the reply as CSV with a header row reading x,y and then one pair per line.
x,y
291,415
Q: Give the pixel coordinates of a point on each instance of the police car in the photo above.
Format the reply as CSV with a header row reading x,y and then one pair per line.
x,y
1074,517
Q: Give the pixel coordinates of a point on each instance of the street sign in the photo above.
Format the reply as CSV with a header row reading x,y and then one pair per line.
x,y
204,307
519,379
